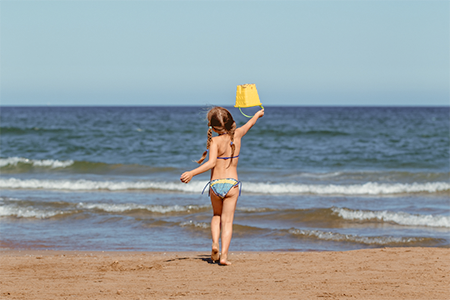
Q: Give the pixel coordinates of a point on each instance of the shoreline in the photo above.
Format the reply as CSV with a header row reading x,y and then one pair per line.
x,y
381,273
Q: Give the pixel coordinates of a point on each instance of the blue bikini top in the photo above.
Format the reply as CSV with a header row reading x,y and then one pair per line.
x,y
228,157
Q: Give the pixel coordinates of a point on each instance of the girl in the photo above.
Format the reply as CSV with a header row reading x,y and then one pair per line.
x,y
224,185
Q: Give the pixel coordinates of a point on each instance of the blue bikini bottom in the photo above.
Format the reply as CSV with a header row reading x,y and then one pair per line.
x,y
221,187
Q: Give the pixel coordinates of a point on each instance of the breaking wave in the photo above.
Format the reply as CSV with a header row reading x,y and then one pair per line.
x,y
369,188
17,165
400,218
367,240
130,207
194,224
29,212
49,163
83,185
256,188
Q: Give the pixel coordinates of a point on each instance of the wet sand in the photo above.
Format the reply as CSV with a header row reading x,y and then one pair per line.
x,y
388,273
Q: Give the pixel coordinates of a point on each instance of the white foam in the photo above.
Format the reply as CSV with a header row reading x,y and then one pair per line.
x,y
196,224
252,209
319,175
259,188
400,218
128,207
370,188
10,211
369,240
82,184
51,163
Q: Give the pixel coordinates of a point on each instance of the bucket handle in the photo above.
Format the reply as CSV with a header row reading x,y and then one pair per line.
x,y
247,115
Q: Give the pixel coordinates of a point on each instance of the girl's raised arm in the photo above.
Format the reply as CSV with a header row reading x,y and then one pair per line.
x,y
246,127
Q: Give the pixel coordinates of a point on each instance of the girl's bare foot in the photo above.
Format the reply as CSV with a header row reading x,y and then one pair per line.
x,y
215,252
223,261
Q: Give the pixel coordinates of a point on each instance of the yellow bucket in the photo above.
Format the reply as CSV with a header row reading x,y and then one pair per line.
x,y
247,96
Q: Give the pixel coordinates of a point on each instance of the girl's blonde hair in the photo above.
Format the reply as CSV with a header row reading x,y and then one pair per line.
x,y
222,121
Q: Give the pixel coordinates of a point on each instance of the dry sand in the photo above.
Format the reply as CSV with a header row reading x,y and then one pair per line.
x,y
391,273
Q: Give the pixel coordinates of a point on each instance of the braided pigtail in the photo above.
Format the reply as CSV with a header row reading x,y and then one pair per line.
x,y
233,147
208,143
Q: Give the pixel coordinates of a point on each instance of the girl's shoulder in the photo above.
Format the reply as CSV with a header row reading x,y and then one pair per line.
x,y
239,132
223,139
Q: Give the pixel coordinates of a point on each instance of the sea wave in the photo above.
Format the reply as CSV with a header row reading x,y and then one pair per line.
x,y
110,207
50,163
254,188
32,212
367,240
369,188
29,212
373,176
400,218
26,130
318,175
195,224
17,165
83,185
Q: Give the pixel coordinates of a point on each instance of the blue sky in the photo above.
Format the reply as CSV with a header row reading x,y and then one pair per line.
x,y
196,52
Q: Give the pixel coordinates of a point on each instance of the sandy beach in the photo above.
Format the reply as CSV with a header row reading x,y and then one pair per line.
x,y
387,273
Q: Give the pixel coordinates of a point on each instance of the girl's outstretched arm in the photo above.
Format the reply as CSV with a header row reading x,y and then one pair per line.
x,y
211,163
246,127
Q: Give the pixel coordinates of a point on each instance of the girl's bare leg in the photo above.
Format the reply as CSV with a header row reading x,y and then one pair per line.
x,y
217,205
228,209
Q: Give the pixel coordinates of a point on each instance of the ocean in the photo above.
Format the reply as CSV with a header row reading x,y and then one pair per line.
x,y
313,179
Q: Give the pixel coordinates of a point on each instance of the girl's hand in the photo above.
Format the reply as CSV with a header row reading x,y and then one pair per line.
x,y
186,177
260,113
